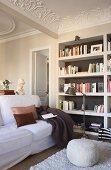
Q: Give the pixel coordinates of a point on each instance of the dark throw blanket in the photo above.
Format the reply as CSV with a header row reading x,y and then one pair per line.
x,y
62,125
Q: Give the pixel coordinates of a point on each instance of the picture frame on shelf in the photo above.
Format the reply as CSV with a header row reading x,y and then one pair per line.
x,y
96,48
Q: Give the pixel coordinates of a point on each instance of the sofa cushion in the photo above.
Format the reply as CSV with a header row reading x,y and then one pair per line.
x,y
8,101
22,110
40,130
13,138
24,119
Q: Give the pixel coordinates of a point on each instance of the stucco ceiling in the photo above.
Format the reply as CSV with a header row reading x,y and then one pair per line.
x,y
56,16
10,26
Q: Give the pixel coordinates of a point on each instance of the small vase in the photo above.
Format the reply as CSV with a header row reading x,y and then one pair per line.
x,y
6,87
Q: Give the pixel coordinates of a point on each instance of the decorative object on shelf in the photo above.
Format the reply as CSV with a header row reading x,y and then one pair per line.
x,y
77,38
96,48
5,84
20,87
72,91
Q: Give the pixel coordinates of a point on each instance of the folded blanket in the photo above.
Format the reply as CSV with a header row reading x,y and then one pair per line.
x,y
62,125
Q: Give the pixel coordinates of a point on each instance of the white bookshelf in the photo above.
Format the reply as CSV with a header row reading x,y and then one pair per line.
x,y
82,60
87,94
82,57
81,75
87,132
87,112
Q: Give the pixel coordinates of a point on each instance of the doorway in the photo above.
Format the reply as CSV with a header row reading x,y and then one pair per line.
x,y
40,74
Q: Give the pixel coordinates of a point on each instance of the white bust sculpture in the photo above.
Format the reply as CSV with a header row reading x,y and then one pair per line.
x,y
20,85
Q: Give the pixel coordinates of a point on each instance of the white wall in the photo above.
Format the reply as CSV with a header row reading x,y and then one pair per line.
x,y
14,60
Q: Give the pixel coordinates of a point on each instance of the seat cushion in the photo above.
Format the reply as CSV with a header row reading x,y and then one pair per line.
x,y
39,130
13,138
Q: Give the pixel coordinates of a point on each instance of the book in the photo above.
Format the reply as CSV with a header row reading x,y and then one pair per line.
x,y
85,49
96,124
7,92
100,87
65,105
48,116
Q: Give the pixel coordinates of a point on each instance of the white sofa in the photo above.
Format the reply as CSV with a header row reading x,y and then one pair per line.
x,y
18,143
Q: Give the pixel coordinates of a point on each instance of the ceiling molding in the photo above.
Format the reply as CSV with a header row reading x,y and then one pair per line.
x,y
38,10
7,24
21,35
26,17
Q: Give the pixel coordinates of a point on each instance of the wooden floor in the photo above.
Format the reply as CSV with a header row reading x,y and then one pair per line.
x,y
34,159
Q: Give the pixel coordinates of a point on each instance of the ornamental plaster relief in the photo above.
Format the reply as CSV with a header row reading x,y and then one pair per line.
x,y
7,24
48,18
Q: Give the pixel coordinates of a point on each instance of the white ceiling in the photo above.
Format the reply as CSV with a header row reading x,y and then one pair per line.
x,y
53,16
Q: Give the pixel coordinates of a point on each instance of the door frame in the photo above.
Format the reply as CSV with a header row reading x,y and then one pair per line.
x,y
30,69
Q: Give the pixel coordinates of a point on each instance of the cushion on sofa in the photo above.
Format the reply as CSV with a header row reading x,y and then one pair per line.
x,y
22,110
24,119
8,101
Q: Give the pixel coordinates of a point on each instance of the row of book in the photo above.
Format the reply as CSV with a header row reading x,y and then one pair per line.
x,y
95,67
79,50
73,50
68,70
84,87
68,105
99,108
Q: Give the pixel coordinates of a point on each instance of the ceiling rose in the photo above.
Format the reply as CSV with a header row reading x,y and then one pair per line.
x,y
7,24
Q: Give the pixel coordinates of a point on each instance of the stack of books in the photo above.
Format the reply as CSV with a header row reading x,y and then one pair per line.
x,y
7,92
95,127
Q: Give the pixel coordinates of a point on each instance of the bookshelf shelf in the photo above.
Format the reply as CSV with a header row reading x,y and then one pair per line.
x,y
87,112
109,73
81,57
94,82
108,115
87,94
87,132
81,75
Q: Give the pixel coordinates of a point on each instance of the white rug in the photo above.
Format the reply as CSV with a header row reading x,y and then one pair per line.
x,y
59,160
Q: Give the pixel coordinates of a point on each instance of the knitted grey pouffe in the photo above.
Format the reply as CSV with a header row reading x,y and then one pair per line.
x,y
82,152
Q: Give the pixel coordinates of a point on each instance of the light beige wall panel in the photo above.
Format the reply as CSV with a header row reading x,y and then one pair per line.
x,y
3,60
16,60
84,33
